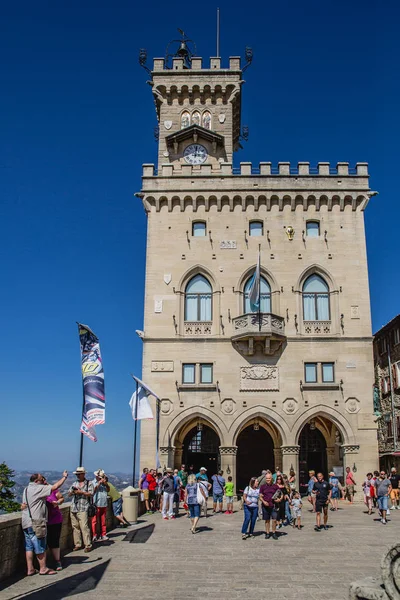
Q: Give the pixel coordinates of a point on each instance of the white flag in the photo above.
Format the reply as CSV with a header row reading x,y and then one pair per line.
x,y
254,289
140,405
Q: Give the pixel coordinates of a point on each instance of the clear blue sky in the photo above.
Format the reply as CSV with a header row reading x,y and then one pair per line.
x,y
76,123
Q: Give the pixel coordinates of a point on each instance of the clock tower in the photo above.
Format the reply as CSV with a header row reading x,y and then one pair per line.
x,y
198,110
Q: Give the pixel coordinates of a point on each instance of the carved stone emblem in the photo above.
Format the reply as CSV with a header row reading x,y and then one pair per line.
x,y
290,406
166,406
228,245
168,125
158,306
259,378
221,118
162,366
354,312
228,406
352,405
167,278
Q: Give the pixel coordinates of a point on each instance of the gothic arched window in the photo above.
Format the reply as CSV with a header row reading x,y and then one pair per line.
x,y
265,296
316,299
185,119
207,119
196,118
198,299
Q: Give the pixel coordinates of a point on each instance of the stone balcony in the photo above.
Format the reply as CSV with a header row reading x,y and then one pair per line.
x,y
251,329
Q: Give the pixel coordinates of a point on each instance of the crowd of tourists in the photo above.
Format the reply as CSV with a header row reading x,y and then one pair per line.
x,y
272,497
42,519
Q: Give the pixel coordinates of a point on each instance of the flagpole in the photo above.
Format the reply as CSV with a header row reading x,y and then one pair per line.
x,y
259,289
135,433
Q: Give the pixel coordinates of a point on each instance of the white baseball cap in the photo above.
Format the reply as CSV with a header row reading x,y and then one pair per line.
x,y
203,469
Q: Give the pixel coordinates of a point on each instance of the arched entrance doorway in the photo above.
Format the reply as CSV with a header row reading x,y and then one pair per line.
x,y
255,453
201,449
312,453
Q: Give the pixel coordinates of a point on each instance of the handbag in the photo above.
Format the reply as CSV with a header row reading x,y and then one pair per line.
x,y
200,498
39,526
278,494
91,509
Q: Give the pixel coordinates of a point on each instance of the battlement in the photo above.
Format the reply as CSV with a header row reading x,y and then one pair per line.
x,y
178,64
302,169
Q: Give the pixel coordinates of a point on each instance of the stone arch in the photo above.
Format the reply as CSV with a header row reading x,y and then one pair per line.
x,y
182,423
263,414
330,413
198,270
275,290
318,270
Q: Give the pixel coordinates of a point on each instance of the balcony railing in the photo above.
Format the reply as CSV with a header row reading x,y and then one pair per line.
x,y
258,325
197,327
318,327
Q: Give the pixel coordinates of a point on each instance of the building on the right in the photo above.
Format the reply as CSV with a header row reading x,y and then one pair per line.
x,y
387,392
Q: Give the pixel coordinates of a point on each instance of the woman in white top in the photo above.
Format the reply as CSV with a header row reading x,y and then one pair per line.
x,y
250,507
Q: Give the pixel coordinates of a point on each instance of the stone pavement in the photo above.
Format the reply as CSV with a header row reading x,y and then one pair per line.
x,y
162,559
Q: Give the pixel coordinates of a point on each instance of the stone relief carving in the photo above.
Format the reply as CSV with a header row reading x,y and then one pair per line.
x,y
167,278
163,365
385,587
290,406
290,449
166,406
228,406
352,405
354,312
259,378
228,245
158,306
351,448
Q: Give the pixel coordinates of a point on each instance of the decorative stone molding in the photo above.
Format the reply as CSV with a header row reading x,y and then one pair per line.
x,y
228,450
290,449
228,245
352,405
317,327
290,406
228,406
351,448
163,365
385,587
166,449
197,328
259,378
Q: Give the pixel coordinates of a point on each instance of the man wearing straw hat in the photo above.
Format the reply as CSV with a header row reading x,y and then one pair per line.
x,y
81,491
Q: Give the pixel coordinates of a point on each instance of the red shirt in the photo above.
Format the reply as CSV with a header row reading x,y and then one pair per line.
x,y
151,481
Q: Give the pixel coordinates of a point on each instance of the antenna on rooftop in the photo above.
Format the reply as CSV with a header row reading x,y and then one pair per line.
x,y
217,55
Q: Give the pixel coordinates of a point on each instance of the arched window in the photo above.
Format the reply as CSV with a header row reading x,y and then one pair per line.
x,y
185,119
256,228
312,228
196,118
316,299
207,119
198,299
199,229
265,296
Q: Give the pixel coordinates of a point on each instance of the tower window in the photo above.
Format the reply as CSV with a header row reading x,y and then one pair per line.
x,y
199,229
198,300
196,118
188,373
206,373
256,228
310,372
316,299
185,119
328,372
312,228
207,119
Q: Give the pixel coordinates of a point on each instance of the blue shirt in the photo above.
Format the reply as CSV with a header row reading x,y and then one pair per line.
x,y
99,497
218,484
202,476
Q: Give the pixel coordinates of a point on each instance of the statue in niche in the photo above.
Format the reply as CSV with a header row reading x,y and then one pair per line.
x,y
207,120
196,118
185,120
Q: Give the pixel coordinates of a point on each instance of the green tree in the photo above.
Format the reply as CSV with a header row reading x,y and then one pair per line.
x,y
7,502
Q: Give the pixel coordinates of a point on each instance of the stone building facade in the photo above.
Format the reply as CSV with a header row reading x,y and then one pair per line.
x,y
387,392
289,385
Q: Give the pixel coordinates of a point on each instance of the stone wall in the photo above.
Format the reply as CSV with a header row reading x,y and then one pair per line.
x,y
12,554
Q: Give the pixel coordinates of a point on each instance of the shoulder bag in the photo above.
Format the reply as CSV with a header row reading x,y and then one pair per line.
x,y
39,526
200,498
91,509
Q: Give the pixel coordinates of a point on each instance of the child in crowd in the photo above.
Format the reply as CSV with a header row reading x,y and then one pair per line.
x,y
229,487
296,505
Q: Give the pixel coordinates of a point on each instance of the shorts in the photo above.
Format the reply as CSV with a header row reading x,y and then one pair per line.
x,y
320,506
117,507
394,494
152,495
145,494
382,502
229,499
296,513
350,489
218,497
32,543
194,510
53,535
269,512
335,493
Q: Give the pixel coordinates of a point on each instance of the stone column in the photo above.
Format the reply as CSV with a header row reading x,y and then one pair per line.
x,y
331,458
178,456
278,459
167,454
228,461
290,459
350,458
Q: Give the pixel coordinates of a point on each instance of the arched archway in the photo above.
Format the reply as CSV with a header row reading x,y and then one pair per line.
x,y
200,448
255,452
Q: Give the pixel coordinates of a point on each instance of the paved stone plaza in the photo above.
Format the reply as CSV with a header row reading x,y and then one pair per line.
x,y
172,563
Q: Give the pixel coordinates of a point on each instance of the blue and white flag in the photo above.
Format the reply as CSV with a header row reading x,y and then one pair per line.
x,y
94,412
254,288
141,409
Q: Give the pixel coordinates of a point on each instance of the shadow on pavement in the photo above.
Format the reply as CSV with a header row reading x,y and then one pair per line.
x,y
69,586
140,536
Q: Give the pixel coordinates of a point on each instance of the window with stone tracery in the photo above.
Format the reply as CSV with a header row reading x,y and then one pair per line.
x,y
207,119
185,119
316,299
198,299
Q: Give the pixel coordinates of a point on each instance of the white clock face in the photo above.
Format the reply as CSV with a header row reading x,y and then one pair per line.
x,y
195,154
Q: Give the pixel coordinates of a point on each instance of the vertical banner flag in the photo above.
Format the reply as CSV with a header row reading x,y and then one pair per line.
x,y
254,288
93,382
141,409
